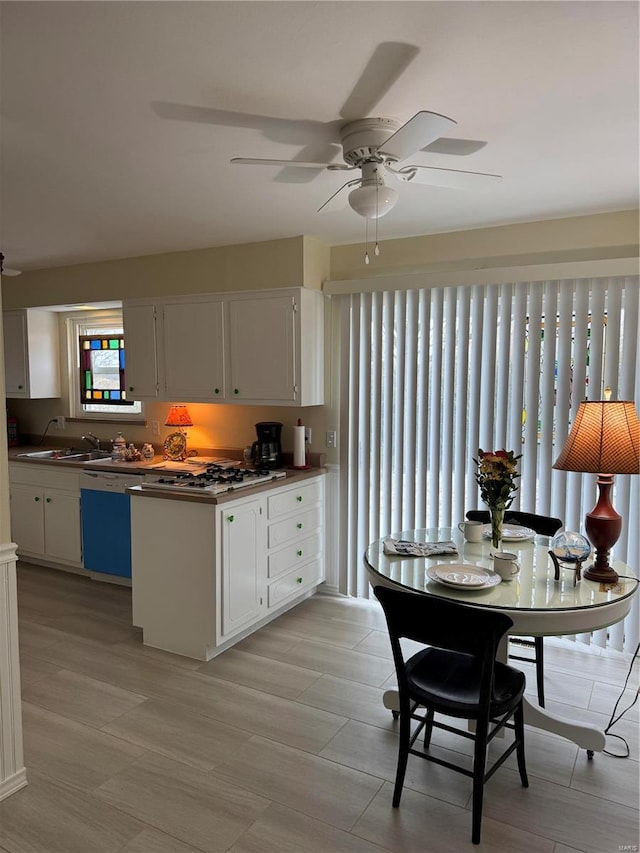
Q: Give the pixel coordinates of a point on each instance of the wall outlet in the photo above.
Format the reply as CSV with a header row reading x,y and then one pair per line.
x,y
332,438
155,427
59,421
307,435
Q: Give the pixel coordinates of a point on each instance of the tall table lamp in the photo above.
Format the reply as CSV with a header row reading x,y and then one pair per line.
x,y
175,446
604,440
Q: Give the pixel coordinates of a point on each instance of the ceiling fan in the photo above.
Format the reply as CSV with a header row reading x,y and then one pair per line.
x,y
379,147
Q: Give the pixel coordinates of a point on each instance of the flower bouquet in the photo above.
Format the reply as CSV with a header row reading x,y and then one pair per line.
x,y
496,476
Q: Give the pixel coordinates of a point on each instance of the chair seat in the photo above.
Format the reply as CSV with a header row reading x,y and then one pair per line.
x,y
448,681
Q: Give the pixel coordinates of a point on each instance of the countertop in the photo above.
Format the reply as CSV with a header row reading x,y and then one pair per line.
x,y
148,466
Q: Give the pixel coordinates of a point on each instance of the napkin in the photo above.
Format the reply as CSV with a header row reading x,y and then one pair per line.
x,y
409,548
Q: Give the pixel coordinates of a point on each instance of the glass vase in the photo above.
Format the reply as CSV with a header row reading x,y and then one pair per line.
x,y
497,519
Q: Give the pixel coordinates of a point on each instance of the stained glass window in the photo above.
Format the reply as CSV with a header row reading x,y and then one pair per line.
x,y
102,370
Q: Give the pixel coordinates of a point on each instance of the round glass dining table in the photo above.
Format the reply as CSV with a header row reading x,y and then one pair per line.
x,y
538,604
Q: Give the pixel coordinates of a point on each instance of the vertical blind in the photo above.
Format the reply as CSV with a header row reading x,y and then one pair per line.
x,y
429,376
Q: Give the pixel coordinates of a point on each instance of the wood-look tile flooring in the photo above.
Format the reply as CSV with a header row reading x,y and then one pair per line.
x,y
281,744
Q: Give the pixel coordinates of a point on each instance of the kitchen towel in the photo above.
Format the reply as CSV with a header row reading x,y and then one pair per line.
x,y
408,548
299,459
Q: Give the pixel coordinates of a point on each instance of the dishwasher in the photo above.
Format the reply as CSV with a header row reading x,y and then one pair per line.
x,y
106,521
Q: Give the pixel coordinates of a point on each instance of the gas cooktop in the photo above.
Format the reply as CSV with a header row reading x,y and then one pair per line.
x,y
213,480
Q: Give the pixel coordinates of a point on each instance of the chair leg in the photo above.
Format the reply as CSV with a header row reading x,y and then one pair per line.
x,y
428,728
518,722
539,647
403,754
479,767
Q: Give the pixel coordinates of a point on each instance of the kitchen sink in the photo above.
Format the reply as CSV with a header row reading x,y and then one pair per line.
x,y
69,455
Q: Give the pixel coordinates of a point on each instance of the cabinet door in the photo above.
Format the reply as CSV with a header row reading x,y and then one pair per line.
x,y
243,569
15,353
141,365
262,352
62,526
193,351
27,518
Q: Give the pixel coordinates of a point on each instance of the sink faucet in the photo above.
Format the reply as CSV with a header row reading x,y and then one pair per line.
x,y
91,439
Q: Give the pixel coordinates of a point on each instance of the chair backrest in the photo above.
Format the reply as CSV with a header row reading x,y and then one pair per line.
x,y
545,525
444,624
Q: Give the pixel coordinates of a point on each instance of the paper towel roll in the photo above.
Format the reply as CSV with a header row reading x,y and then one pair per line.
x,y
299,459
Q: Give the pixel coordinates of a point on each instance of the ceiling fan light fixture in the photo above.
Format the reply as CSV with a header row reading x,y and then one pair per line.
x,y
373,200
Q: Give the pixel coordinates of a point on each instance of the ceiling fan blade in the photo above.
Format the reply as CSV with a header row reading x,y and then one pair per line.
x,y
422,129
299,164
328,203
458,147
290,131
452,178
387,63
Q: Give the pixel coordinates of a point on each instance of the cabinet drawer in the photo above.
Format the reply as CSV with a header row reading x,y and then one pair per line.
x,y
294,527
296,582
301,497
293,555
44,476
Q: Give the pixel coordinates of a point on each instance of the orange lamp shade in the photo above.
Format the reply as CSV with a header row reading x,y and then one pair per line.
x,y
604,439
178,417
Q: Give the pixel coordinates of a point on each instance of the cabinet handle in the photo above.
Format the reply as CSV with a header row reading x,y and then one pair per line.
x,y
229,518
216,390
20,387
299,525
48,500
236,390
299,499
298,580
299,553
36,499
130,387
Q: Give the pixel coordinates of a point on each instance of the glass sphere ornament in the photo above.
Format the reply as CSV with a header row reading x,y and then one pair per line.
x,y
570,547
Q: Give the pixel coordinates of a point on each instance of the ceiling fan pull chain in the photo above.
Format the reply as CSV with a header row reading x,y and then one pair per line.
x,y
376,250
366,241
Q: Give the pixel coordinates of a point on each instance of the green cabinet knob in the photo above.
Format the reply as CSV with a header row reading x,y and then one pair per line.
x,y
216,390
299,499
36,499
20,387
130,387
299,553
298,580
48,500
229,518
236,390
299,525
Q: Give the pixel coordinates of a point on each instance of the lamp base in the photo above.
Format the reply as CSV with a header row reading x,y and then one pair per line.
x,y
603,526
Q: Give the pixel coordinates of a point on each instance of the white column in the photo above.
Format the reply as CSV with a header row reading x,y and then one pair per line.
x,y
13,774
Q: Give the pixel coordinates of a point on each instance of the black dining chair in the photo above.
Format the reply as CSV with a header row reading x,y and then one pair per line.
x,y
545,525
456,675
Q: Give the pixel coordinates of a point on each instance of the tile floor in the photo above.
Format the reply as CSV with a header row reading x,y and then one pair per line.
x,y
281,744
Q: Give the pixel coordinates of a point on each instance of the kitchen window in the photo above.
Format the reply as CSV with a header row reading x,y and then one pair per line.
x,y
97,366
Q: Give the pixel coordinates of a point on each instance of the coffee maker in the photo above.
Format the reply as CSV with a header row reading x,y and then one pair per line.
x,y
266,452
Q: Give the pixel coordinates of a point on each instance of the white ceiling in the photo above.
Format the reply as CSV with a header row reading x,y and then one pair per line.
x,y
114,143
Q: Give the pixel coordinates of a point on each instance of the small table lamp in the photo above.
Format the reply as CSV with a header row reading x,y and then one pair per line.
x,y
176,443
604,440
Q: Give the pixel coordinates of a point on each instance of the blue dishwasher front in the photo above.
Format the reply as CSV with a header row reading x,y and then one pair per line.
x,y
106,521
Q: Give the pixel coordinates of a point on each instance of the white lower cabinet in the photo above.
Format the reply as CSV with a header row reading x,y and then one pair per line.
x,y
45,514
242,565
205,575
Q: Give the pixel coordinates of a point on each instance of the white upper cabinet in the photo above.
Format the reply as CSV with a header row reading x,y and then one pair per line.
x,y
194,350
31,354
141,350
251,347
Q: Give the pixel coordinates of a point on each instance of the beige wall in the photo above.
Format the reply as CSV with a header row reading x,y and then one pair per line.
x,y
294,262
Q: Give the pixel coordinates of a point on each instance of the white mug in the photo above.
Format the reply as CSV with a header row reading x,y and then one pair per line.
x,y
472,530
506,565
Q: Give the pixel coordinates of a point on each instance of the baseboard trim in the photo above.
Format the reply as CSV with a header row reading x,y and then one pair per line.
x,y
13,783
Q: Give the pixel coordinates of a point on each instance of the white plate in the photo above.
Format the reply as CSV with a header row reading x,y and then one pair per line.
x,y
463,576
511,533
